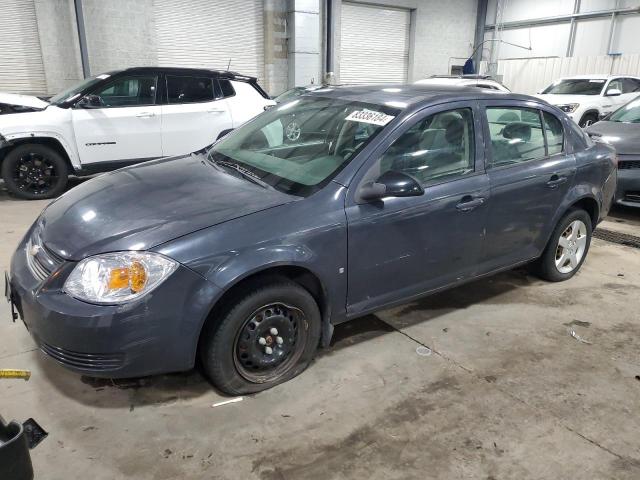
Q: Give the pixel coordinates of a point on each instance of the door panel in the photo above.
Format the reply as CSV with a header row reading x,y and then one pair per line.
x,y
402,247
525,192
195,114
126,127
118,133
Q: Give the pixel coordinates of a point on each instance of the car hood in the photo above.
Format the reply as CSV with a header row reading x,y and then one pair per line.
x,y
624,137
22,100
565,99
140,207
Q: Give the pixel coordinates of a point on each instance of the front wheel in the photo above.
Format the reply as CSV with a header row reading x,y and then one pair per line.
x,y
567,248
34,172
588,119
267,336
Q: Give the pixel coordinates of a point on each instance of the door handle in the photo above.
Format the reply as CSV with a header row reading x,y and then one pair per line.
x,y
145,114
556,180
468,203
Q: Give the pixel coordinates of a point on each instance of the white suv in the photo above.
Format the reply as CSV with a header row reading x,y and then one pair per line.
x,y
479,81
117,119
587,98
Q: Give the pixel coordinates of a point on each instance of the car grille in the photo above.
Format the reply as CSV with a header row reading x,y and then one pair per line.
x,y
41,261
628,164
85,361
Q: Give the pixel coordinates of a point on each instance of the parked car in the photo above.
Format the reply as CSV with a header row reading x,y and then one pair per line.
x,y
479,81
116,119
249,253
587,98
621,129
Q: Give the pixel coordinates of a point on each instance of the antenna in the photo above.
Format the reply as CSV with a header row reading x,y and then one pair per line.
x,y
229,64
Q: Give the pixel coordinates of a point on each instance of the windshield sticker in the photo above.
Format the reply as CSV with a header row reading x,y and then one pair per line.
x,y
596,81
369,116
104,76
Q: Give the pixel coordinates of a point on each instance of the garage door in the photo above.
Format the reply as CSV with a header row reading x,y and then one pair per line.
x,y
209,33
374,44
21,68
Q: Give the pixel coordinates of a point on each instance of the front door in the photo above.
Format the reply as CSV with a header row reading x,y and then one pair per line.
x,y
125,128
401,247
194,116
530,172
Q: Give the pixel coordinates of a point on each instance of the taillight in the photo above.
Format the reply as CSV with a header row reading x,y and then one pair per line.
x,y
614,159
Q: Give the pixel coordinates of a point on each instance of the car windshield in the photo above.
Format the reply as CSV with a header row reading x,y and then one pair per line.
x,y
299,146
630,113
576,87
71,92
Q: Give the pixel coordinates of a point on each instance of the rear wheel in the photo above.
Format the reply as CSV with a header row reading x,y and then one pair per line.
x,y
34,171
588,119
567,248
267,336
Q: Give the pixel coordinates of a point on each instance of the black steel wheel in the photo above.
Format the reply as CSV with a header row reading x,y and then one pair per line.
x,y
34,171
267,336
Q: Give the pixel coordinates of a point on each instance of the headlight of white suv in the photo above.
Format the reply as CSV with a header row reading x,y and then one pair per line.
x,y
113,278
569,108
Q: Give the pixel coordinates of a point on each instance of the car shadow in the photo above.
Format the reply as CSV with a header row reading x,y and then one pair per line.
x,y
5,196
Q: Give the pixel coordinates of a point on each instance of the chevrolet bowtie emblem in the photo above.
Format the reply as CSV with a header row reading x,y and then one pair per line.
x,y
34,250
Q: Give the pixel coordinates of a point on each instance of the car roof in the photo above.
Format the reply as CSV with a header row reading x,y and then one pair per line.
x,y
603,76
406,96
184,71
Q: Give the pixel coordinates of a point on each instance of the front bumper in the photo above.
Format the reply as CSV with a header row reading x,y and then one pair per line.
x,y
156,334
628,191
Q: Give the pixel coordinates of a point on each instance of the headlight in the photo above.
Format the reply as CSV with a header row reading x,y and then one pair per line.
x,y
118,277
569,108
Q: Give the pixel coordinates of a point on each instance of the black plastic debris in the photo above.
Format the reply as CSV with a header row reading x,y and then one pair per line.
x,y
15,462
34,433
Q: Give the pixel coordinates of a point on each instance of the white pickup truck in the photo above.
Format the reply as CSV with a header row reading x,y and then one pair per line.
x,y
117,119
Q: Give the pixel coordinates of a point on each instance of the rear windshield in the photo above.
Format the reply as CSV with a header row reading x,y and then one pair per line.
x,y
630,113
298,146
576,87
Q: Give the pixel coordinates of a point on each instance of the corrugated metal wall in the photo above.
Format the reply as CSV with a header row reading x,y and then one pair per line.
x,y
21,67
532,75
374,45
207,33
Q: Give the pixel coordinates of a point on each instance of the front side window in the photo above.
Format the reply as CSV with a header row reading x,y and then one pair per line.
x,y
189,89
300,145
615,85
436,148
555,133
630,85
516,135
575,87
129,92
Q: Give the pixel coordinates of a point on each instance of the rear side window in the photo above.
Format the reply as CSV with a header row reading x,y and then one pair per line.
x,y
555,133
516,135
189,89
436,148
227,88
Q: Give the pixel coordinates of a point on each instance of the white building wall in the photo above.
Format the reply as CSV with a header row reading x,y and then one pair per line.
x,y
442,34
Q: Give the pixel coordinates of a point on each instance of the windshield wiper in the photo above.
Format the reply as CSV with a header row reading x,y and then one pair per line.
x,y
248,174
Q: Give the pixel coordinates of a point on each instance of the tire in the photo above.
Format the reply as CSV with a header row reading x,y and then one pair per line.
x,y
231,351
588,119
551,265
34,172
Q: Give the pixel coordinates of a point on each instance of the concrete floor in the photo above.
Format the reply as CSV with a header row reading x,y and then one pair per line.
x,y
506,394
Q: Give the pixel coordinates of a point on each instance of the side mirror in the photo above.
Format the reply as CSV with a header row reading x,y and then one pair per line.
x,y
613,92
91,101
391,184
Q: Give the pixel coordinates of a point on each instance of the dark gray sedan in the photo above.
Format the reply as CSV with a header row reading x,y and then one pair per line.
x,y
621,129
248,254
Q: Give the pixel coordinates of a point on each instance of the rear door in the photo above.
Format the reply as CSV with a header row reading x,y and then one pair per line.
x,y
401,247
126,127
194,115
530,171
